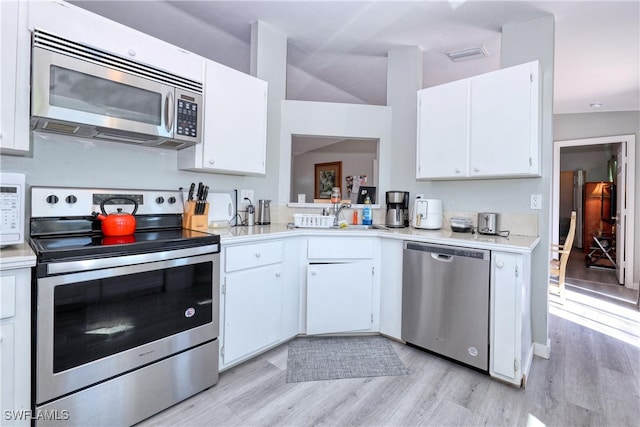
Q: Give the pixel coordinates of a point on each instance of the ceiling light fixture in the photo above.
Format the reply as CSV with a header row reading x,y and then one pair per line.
x,y
596,105
468,53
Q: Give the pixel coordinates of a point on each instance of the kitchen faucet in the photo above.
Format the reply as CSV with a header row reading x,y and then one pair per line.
x,y
337,208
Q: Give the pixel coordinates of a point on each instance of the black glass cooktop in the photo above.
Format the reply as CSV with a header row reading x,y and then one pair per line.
x,y
87,246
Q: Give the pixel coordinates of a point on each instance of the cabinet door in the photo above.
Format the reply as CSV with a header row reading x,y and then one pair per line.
x,y
252,311
504,124
339,297
235,126
443,131
14,78
505,316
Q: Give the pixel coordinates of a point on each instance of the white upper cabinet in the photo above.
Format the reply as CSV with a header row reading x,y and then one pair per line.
x,y
81,26
235,125
504,122
14,78
443,130
485,126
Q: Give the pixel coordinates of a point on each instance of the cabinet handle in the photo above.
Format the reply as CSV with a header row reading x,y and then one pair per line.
x,y
257,254
212,162
457,170
313,273
499,264
278,274
132,52
476,169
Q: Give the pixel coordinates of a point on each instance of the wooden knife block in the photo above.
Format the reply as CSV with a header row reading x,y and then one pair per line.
x,y
191,221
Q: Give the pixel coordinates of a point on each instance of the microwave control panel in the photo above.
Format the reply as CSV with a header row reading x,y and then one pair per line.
x,y
187,118
12,209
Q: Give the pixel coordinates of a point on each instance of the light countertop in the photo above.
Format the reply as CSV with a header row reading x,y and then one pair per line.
x,y
17,256
513,243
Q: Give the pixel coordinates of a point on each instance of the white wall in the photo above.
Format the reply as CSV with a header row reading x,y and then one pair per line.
x,y
593,160
335,120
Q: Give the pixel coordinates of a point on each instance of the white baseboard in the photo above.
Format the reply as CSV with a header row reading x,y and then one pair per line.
x,y
541,350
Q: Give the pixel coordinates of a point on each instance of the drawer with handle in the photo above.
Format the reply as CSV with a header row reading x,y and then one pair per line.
x,y
252,255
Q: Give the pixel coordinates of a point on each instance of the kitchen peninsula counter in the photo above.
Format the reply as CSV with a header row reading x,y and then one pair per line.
x,y
513,243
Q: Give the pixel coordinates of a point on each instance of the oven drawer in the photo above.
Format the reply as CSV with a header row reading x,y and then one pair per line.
x,y
252,255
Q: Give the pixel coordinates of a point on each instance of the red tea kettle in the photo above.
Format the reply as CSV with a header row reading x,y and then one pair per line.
x,y
117,223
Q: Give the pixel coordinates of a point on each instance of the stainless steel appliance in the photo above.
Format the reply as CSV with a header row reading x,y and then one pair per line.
x,y
12,212
81,91
445,301
488,223
397,213
125,326
264,212
427,214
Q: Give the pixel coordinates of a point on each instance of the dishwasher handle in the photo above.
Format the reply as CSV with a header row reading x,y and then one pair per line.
x,y
447,251
442,257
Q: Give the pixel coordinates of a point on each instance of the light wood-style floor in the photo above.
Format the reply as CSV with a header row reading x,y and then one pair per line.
x,y
598,282
591,379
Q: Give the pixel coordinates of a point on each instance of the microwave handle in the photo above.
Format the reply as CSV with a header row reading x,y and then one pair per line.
x,y
169,106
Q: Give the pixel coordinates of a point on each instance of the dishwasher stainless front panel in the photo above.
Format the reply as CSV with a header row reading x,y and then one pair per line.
x,y
445,301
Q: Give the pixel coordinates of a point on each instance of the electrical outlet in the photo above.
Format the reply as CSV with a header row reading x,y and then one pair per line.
x,y
536,201
248,194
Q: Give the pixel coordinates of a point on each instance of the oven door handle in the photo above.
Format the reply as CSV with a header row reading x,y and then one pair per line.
x,y
118,261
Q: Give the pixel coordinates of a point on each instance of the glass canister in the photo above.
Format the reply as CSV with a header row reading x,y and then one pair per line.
x,y
335,195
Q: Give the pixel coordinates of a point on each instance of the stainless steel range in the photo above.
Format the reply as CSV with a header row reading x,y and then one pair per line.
x,y
125,326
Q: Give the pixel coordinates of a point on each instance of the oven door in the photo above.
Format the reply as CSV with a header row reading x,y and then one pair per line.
x,y
95,325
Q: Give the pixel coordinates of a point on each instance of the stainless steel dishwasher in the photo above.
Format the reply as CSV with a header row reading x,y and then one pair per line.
x,y
445,301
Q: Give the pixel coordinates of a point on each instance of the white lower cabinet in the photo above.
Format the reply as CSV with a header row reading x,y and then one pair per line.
x,y
511,351
339,297
253,307
391,287
15,346
340,285
259,298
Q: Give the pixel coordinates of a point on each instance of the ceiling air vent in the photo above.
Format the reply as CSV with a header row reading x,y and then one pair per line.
x,y
468,53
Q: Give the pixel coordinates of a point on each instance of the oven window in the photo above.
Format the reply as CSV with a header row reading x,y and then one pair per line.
x,y
98,318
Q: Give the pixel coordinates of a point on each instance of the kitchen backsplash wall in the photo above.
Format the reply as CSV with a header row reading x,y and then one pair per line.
x,y
62,161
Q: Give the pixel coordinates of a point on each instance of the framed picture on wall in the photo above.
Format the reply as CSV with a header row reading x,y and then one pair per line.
x,y
327,176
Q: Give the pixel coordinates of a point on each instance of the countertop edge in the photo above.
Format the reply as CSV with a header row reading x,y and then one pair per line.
x,y
17,256
525,244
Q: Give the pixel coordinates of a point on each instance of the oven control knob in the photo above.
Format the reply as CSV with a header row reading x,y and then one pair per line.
x,y
71,199
52,199
160,200
171,200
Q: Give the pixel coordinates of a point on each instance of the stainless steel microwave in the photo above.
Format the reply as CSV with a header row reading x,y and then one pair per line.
x,y
79,90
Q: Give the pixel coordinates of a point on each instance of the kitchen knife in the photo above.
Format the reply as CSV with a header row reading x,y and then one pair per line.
x,y
200,188
205,194
191,190
198,198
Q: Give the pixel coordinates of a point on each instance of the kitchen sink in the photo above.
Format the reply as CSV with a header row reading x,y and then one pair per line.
x,y
359,227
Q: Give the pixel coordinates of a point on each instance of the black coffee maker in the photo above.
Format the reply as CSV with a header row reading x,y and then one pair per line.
x,y
397,209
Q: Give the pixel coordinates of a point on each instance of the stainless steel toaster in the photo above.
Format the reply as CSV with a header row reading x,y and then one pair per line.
x,y
488,223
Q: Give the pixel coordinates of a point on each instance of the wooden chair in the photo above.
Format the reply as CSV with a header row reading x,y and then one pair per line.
x,y
558,267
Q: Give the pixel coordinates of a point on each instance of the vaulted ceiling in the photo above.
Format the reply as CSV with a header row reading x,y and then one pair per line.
x,y
337,49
